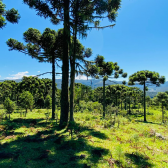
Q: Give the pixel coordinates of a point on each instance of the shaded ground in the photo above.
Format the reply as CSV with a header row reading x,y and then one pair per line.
x,y
47,148
141,161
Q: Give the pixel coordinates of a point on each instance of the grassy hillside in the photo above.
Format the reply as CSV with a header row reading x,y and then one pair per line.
x,y
33,142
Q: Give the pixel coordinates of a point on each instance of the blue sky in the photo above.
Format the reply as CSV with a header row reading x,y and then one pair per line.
x,y
138,41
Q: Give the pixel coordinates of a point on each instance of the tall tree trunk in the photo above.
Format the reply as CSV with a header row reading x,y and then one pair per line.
x,y
144,103
72,90
72,85
72,62
53,87
65,68
103,98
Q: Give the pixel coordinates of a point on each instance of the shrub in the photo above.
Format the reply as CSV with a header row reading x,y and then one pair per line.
x,y
87,118
26,101
109,123
123,113
90,106
111,110
1,115
9,105
48,102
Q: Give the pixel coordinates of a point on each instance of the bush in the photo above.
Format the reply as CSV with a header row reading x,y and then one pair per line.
x,y
76,108
109,123
48,102
9,105
123,113
1,106
90,106
111,110
87,118
39,111
1,115
26,101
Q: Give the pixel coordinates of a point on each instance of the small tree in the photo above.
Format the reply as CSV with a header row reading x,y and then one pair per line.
x,y
146,77
162,98
9,105
48,102
26,101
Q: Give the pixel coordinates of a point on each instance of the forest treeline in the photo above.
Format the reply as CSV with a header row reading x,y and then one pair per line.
x,y
117,95
38,88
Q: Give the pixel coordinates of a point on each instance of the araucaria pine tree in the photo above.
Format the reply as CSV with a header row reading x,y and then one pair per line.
x,y
46,47
162,98
107,70
11,15
145,78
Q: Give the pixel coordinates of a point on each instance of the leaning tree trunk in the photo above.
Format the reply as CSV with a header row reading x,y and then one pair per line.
x,y
103,98
53,87
144,103
65,68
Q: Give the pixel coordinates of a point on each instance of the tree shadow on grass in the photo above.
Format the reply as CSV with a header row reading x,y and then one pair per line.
x,y
10,125
48,149
141,161
147,122
79,129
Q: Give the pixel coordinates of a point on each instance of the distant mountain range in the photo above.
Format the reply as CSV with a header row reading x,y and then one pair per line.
x,y
94,83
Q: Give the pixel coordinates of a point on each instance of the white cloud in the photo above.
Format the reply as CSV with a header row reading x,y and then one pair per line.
x,y
0,76
19,75
58,76
38,71
81,77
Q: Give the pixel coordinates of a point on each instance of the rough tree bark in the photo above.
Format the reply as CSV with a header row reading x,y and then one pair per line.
x,y
65,68
53,87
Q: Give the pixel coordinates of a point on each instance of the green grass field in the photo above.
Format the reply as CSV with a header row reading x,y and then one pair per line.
x,y
34,142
